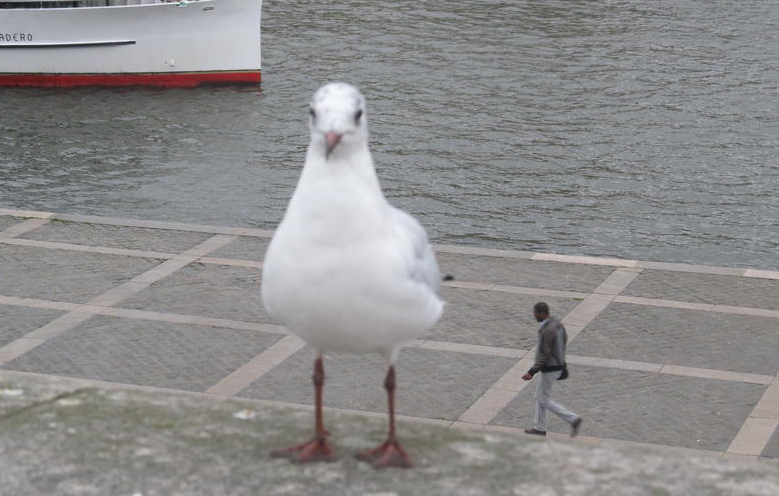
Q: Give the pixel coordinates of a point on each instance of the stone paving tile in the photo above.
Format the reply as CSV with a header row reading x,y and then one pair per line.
x,y
706,288
525,273
131,238
493,318
645,407
16,321
64,275
431,383
243,248
220,291
772,448
146,353
692,338
7,221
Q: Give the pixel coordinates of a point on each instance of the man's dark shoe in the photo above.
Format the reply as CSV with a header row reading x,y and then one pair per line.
x,y
575,426
535,432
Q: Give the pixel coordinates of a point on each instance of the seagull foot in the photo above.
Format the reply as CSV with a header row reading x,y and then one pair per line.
x,y
315,450
389,454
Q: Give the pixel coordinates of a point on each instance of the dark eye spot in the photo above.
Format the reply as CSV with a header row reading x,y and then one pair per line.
x,y
312,113
357,116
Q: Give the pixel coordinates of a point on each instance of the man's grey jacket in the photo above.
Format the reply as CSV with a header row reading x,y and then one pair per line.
x,y
550,352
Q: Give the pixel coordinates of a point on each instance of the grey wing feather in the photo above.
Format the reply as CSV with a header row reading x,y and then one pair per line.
x,y
422,265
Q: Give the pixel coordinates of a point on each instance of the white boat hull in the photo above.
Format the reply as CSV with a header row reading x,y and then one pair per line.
x,y
167,44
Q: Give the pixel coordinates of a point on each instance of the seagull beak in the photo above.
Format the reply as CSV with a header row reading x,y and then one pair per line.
x,y
332,140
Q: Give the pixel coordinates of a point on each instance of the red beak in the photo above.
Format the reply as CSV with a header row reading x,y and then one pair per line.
x,y
332,140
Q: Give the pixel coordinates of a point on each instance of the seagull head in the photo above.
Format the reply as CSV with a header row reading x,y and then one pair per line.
x,y
338,120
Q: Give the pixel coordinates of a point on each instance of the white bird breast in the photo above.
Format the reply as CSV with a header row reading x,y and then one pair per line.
x,y
358,299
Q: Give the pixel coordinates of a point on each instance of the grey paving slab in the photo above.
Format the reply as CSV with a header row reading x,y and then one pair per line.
x,y
493,318
691,338
524,273
7,221
646,407
431,383
159,354
17,321
220,291
772,448
706,288
64,275
131,238
243,248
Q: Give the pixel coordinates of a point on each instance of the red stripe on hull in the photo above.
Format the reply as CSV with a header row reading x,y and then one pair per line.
x,y
166,80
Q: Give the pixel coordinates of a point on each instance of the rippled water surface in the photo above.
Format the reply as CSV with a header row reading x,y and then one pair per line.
x,y
637,129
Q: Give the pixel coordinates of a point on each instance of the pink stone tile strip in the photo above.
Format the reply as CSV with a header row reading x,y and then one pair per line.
x,y
175,226
617,281
25,213
110,298
758,428
655,302
699,269
472,348
87,248
753,436
35,303
257,366
21,228
723,375
616,262
484,252
763,274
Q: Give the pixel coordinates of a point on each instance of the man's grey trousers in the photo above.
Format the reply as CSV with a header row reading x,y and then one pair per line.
x,y
544,402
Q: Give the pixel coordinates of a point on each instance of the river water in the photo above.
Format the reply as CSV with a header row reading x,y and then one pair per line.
x,y
635,129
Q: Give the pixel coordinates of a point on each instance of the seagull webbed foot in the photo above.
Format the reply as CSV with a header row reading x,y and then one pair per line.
x,y
315,450
388,454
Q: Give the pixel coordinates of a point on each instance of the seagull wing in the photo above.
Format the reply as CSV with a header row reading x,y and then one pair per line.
x,y
420,261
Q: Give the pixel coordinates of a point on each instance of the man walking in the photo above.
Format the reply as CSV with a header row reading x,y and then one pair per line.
x,y
550,361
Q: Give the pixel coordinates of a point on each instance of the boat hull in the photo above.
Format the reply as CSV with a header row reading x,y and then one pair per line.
x,y
162,44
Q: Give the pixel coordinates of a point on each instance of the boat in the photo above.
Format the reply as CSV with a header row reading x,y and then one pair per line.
x,y
186,43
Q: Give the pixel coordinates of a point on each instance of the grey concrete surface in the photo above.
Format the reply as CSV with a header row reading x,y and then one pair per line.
x,y
204,289
671,410
187,357
66,438
17,321
646,370
706,288
493,318
244,248
7,221
431,383
523,273
692,338
63,275
133,238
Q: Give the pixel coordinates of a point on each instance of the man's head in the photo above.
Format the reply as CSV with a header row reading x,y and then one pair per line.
x,y
541,311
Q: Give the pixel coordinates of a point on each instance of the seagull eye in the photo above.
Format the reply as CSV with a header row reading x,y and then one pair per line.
x,y
357,116
312,113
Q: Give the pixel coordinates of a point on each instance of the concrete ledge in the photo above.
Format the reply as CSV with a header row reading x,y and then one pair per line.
x,y
69,437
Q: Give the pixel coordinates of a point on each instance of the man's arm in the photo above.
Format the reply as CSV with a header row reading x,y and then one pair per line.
x,y
545,347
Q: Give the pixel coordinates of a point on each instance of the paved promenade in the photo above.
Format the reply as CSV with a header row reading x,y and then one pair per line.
x,y
674,355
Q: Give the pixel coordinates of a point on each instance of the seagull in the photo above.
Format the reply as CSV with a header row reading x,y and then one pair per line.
x,y
345,270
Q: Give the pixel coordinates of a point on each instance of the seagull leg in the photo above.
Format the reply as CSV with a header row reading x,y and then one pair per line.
x,y
389,453
317,449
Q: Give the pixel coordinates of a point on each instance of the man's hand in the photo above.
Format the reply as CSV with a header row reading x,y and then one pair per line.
x,y
527,377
